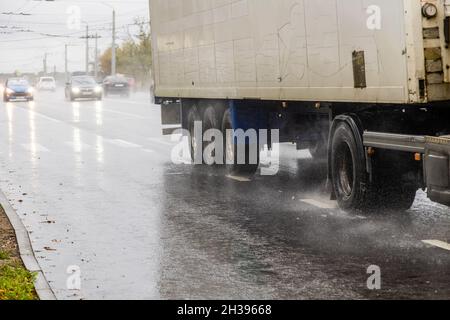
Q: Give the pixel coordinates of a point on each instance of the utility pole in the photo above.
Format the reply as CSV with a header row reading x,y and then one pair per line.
x,y
113,48
66,65
87,49
45,63
96,55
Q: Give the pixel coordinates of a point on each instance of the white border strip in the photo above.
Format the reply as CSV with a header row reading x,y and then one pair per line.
x,y
320,204
438,244
26,251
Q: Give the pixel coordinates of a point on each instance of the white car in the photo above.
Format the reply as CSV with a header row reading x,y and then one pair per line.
x,y
46,84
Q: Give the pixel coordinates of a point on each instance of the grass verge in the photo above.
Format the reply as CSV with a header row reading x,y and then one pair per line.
x,y
16,283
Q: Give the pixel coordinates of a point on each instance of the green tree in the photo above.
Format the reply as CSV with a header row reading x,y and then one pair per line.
x,y
133,57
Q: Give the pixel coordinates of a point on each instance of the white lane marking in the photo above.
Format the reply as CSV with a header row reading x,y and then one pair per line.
x,y
238,178
438,243
35,147
320,204
161,141
304,154
143,103
124,144
39,114
46,117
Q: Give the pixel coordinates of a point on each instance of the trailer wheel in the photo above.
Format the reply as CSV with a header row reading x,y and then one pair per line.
x,y
194,145
348,169
231,150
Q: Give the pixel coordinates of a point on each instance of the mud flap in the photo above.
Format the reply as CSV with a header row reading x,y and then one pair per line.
x,y
170,117
437,169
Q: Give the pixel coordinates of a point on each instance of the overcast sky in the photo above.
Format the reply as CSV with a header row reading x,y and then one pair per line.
x,y
30,28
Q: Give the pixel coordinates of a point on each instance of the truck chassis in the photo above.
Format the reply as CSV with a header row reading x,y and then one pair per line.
x,y
375,155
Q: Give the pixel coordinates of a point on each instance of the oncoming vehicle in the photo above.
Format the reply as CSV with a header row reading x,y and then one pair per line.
x,y
83,87
116,85
46,84
17,88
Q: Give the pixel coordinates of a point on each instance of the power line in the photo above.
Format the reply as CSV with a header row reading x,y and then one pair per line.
x,y
46,36
69,35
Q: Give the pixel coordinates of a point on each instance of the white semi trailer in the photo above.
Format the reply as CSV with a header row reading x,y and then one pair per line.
x,y
365,83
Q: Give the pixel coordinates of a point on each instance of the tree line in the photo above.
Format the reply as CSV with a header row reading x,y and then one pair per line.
x,y
133,57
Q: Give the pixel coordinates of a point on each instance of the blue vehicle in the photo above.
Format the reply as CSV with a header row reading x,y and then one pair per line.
x,y
17,88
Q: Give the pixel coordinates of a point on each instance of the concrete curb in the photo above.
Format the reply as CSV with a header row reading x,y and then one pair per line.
x,y
26,251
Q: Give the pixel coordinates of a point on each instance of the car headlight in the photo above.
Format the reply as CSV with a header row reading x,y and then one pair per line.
x,y
98,89
9,91
76,90
30,90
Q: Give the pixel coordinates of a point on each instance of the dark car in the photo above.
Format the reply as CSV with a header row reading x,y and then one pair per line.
x,y
116,85
83,87
17,88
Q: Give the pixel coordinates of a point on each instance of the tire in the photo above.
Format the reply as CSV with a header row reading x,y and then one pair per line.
x,y
72,98
5,99
351,183
194,116
393,183
231,150
349,178
397,198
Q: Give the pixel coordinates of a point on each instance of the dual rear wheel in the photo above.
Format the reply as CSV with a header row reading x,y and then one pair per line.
x,y
218,118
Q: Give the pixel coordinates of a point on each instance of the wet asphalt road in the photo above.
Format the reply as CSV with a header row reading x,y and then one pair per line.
x,y
95,186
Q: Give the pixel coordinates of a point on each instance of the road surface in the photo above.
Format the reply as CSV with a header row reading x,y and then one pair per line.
x,y
96,188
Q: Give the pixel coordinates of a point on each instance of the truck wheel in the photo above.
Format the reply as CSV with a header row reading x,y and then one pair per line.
x,y
194,145
398,198
231,150
351,185
348,170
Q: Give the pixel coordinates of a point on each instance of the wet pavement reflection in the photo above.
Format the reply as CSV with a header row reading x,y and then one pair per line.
x,y
95,187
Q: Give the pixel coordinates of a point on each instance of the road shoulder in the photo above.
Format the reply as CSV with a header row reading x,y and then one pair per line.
x,y
25,250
